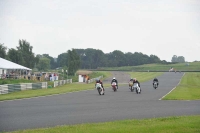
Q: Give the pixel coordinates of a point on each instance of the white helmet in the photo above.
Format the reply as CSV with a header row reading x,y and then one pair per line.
x,y
113,77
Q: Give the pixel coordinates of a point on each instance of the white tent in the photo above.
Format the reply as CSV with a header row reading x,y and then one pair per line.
x,y
5,64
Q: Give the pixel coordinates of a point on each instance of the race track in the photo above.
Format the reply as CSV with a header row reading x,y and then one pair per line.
x,y
89,106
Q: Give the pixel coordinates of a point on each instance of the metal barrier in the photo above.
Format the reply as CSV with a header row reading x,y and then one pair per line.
x,y
62,82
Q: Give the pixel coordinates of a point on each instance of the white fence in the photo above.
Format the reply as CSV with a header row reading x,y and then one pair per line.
x,y
62,82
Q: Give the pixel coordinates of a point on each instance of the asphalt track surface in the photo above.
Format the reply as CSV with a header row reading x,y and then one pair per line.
x,y
89,106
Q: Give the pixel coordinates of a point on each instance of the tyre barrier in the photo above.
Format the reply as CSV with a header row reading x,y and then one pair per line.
x,y
9,88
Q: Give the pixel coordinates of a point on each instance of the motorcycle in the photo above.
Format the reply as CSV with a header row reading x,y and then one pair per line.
x,y
114,86
155,85
131,86
137,88
99,89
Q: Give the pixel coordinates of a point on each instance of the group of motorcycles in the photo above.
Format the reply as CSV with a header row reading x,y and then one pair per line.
x,y
132,87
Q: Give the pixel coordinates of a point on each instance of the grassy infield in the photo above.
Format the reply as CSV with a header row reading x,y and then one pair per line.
x,y
159,67
189,89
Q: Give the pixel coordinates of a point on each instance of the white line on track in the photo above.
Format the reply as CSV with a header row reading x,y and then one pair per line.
x,y
173,88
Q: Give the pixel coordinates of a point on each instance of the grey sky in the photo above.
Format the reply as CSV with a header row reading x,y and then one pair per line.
x,y
160,27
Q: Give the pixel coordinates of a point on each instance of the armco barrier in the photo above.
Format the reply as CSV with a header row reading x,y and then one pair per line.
x,y
9,88
62,82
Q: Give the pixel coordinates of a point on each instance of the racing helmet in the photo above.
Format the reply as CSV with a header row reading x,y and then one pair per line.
x,y
113,77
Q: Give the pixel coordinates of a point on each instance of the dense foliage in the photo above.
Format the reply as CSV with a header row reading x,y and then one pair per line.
x,y
179,59
92,58
2,51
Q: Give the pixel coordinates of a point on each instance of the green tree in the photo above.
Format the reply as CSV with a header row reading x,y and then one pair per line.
x,y
89,58
73,62
180,59
3,51
120,57
62,60
174,58
53,64
36,60
15,56
28,56
81,53
154,59
129,58
44,64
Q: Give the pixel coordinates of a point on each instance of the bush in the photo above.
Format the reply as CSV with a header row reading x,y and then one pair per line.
x,y
49,86
50,83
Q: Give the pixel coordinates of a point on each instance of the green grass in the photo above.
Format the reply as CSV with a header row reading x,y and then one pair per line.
x,y
42,92
188,89
177,124
16,81
145,76
193,66
99,73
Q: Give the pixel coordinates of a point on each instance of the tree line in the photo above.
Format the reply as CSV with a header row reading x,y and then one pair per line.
x,y
179,59
75,59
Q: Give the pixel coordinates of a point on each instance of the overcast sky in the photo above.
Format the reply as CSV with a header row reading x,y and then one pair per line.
x,y
159,27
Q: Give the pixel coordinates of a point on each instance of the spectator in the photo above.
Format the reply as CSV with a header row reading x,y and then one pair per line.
x,y
54,76
46,76
50,77
29,75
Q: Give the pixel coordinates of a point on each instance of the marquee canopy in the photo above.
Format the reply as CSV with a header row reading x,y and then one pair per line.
x,y
5,64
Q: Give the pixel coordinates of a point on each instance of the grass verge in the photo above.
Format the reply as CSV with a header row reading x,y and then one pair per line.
x,y
177,124
188,89
16,81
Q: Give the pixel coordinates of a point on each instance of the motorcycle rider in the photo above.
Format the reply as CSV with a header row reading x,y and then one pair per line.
x,y
136,81
155,80
114,80
99,81
131,79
